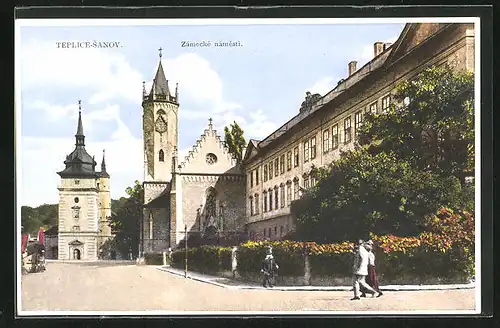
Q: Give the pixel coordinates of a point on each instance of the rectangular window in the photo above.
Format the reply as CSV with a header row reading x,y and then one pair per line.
x,y
288,194
313,147
276,198
296,189
282,164
289,161
347,130
335,136
257,177
276,166
373,108
270,200
296,156
269,232
326,141
306,151
257,207
281,231
265,232
251,179
264,200
306,183
275,230
358,121
386,103
265,173
283,199
251,206
270,170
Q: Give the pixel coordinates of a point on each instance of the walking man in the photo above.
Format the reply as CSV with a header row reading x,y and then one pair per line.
x,y
360,271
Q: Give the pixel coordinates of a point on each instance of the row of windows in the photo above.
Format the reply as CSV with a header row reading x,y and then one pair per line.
x,y
277,166
279,197
268,232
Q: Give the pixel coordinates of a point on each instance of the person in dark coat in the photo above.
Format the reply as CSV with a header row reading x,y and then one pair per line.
x,y
269,268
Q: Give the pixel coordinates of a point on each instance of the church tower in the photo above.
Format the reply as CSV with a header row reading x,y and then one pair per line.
x,y
78,203
160,124
103,186
160,134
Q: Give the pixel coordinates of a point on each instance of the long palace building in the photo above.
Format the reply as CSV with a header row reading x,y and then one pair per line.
x,y
278,167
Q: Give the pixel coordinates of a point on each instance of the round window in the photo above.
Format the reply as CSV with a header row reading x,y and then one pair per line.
x,y
77,199
211,159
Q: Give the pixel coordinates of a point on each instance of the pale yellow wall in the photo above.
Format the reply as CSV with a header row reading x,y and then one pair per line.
x,y
85,190
105,206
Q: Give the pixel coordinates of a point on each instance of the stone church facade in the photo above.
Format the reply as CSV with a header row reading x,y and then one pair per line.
x,y
282,165
84,204
203,195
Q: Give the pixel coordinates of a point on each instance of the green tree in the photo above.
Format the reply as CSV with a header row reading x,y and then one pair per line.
x,y
363,193
412,162
235,141
434,129
32,218
126,214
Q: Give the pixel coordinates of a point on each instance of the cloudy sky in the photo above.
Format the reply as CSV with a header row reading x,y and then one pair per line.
x,y
260,85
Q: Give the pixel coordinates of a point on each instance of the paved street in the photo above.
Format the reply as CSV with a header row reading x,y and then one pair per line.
x,y
111,287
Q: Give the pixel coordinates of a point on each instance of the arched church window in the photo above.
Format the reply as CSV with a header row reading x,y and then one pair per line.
x,y
161,156
210,207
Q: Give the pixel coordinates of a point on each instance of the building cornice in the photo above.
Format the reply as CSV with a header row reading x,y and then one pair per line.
x,y
78,189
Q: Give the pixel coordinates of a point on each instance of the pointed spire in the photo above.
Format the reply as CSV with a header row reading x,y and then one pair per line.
x,y
177,92
80,137
144,93
103,163
160,83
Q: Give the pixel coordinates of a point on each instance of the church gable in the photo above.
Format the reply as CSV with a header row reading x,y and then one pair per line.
x,y
209,155
412,36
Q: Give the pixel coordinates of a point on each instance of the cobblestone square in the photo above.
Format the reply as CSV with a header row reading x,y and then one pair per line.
x,y
91,286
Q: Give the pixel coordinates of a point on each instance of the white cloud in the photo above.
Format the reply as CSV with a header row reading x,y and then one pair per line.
x,y
197,80
368,51
41,158
323,86
260,127
69,113
105,73
54,112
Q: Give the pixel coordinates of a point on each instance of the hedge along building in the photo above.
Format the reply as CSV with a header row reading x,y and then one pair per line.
x,y
282,164
205,192
84,204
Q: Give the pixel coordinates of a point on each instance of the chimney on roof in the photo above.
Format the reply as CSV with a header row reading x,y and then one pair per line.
x,y
378,48
387,45
352,67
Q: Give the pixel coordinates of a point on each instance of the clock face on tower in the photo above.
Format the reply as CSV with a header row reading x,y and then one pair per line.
x,y
160,125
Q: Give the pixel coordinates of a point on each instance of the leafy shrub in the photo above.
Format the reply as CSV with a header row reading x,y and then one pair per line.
x,y
288,256
446,252
206,259
153,258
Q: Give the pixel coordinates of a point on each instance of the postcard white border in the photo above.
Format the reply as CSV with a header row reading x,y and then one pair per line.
x,y
242,21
